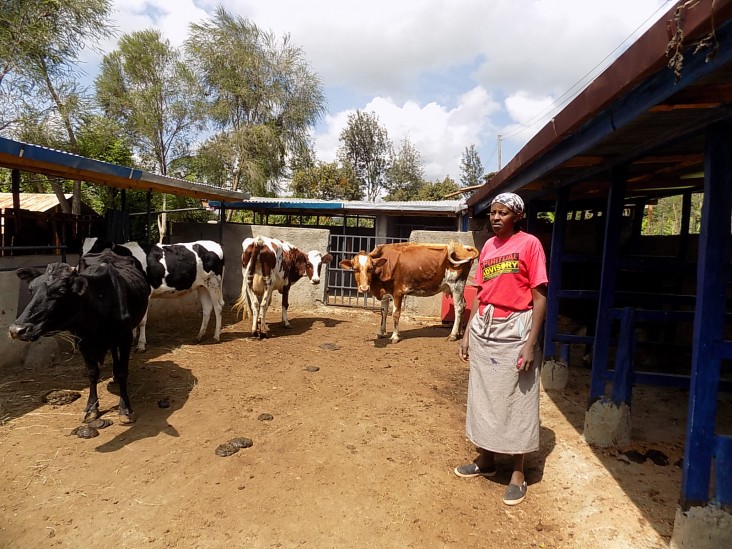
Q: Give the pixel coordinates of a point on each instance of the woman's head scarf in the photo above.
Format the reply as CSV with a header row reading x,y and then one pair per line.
x,y
512,201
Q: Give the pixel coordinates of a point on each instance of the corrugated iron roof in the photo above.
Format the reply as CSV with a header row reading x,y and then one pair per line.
x,y
343,207
38,159
35,202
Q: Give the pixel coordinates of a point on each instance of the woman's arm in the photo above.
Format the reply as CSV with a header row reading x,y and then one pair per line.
x,y
464,342
526,358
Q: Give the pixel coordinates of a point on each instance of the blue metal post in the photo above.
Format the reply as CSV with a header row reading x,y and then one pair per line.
x,y
623,378
601,349
714,242
556,252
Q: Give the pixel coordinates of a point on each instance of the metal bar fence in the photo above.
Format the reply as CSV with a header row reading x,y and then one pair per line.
x,y
341,287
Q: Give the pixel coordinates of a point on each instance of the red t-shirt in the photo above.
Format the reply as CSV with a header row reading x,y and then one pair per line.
x,y
507,271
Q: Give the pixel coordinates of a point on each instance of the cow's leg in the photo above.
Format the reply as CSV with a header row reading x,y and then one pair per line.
x,y
458,300
142,338
206,306
217,298
264,305
120,369
384,314
285,305
91,410
398,298
255,316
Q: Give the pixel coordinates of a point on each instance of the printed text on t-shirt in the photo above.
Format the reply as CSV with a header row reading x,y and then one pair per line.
x,y
505,264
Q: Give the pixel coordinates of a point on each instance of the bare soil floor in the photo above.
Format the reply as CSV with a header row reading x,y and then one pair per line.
x,y
358,452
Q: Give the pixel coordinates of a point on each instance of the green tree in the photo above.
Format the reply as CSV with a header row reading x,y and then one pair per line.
x,y
437,190
263,97
40,43
154,95
405,174
366,148
471,168
327,181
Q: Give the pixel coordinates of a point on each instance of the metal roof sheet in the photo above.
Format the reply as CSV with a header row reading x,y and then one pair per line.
x,y
35,202
337,207
37,159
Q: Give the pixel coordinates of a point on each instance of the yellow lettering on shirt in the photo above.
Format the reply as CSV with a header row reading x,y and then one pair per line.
x,y
508,264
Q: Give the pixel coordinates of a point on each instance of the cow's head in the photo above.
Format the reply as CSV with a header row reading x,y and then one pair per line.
x,y
364,268
315,260
54,304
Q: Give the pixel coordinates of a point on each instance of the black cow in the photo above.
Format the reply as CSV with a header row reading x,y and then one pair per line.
x,y
100,303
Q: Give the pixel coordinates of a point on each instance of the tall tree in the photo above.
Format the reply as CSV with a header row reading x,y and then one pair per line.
x,y
40,43
366,148
471,168
437,190
327,181
263,97
154,95
406,173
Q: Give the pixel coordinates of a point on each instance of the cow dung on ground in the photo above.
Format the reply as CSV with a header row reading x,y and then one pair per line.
x,y
233,446
60,397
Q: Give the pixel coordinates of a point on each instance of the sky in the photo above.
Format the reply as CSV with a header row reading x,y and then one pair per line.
x,y
445,74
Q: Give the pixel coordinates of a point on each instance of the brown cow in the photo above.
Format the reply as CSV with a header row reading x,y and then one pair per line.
x,y
410,268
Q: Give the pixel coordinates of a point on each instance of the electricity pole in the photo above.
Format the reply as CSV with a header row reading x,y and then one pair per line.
x,y
499,152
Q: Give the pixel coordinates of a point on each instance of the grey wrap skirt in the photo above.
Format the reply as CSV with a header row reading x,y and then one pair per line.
x,y
503,402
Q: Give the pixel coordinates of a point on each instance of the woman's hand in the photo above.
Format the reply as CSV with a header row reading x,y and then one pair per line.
x,y
525,359
463,348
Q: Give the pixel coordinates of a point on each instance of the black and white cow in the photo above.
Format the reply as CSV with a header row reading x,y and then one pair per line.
x,y
174,270
100,302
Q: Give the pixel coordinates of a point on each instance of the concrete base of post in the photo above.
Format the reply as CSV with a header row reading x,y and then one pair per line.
x,y
702,528
554,374
607,424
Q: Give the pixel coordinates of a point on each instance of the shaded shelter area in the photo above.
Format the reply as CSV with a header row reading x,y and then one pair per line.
x,y
657,123
39,224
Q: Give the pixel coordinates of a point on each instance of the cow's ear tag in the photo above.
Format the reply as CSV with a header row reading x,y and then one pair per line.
x,y
79,285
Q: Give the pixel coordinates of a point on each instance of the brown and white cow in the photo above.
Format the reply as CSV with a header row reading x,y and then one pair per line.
x,y
396,270
269,264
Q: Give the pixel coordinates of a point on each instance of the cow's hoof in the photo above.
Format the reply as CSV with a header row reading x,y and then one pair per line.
x,y
381,336
127,419
91,415
452,338
140,349
217,339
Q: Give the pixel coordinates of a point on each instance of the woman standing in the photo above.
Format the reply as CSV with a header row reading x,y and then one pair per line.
x,y
501,344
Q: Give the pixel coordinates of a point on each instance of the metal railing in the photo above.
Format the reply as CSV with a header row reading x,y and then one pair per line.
x,y
341,285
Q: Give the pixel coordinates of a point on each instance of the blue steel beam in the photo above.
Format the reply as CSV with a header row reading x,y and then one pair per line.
x,y
714,241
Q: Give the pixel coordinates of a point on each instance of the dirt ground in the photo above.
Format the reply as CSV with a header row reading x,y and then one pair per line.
x,y
358,452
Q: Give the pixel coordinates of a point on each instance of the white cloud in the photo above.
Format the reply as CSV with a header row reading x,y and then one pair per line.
x,y
446,74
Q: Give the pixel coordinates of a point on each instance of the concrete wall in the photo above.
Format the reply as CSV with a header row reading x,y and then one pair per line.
x,y
14,296
302,294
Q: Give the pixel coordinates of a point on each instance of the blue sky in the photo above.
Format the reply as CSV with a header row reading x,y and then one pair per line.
x,y
446,74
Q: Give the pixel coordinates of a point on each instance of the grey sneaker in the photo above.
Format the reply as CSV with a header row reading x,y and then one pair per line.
x,y
515,494
472,470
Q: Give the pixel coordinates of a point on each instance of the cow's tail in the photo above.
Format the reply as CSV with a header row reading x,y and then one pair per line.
x,y
244,303
459,254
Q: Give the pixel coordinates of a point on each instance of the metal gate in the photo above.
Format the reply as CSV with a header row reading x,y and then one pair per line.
x,y
341,288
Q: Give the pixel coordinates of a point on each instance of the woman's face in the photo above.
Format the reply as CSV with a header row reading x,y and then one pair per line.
x,y
502,219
